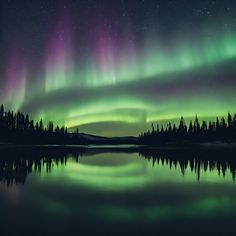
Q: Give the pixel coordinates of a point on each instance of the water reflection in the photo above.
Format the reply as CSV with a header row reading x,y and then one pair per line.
x,y
123,191
18,162
197,160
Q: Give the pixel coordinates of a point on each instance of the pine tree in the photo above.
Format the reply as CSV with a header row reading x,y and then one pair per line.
x,y
230,120
196,125
41,125
217,124
190,129
1,111
182,126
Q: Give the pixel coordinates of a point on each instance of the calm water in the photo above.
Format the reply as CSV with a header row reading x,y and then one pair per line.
x,y
116,192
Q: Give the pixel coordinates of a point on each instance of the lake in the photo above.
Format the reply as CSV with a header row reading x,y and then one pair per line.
x,y
126,191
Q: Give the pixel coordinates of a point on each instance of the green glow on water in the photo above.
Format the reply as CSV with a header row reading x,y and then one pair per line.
x,y
129,174
202,208
124,188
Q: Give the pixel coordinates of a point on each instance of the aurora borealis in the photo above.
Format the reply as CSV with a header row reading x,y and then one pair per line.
x,y
114,68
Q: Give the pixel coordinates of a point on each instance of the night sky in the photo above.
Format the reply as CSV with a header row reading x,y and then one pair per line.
x,y
114,67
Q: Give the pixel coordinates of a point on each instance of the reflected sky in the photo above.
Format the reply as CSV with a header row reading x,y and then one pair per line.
x,y
119,189
124,172
100,191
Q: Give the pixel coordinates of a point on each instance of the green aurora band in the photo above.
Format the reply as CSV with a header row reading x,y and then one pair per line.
x,y
120,92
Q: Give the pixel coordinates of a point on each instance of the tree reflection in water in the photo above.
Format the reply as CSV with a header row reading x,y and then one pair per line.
x,y
16,163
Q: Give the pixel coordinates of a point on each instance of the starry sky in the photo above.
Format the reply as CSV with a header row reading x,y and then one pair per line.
x,y
114,67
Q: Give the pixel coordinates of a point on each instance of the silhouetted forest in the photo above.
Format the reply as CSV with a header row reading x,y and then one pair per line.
x,y
222,130
19,128
17,163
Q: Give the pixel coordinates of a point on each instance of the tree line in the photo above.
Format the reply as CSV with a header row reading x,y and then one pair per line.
x,y
15,127
222,130
18,128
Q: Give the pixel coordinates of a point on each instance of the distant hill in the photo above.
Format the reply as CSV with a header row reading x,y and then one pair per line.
x,y
93,139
